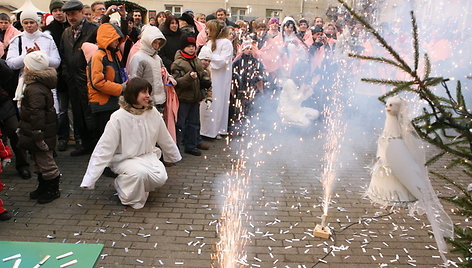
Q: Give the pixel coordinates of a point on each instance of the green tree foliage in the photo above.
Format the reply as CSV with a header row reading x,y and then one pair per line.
x,y
445,123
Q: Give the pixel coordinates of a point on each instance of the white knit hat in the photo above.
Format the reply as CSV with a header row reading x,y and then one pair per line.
x,y
36,61
29,14
205,53
246,44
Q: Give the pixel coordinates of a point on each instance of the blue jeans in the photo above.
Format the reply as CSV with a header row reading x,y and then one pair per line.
x,y
188,125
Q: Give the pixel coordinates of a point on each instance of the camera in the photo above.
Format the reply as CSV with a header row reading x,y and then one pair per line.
x,y
116,9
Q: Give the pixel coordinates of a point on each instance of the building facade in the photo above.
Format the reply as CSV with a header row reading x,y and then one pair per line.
x,y
238,9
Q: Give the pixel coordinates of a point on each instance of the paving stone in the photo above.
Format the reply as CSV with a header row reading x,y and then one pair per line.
x,y
283,207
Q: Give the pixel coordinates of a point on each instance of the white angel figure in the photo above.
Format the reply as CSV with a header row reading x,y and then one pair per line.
x,y
399,176
290,106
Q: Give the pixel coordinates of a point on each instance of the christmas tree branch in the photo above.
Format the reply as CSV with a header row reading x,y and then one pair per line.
x,y
415,41
377,36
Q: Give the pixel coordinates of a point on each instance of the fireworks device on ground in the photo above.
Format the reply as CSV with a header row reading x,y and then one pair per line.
x,y
321,230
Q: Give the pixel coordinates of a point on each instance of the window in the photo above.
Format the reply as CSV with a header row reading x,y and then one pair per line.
x,y
152,13
273,13
238,13
176,10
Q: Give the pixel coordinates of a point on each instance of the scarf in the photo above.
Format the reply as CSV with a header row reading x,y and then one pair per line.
x,y
20,89
187,56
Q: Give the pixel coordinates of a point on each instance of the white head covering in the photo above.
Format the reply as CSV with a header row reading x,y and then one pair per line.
x,y
49,19
29,14
205,53
36,61
148,35
286,19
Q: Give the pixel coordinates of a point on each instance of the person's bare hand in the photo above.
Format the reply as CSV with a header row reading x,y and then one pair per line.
x,y
122,10
32,49
193,75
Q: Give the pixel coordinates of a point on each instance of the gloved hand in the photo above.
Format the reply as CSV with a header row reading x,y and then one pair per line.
x,y
204,83
42,146
6,162
208,104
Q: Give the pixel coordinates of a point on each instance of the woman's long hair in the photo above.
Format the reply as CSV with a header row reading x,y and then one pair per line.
x,y
235,40
216,30
167,22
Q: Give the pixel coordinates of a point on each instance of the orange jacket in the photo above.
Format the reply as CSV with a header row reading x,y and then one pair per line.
x,y
105,84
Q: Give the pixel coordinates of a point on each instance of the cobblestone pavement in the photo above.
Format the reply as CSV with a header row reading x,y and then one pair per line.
x,y
177,227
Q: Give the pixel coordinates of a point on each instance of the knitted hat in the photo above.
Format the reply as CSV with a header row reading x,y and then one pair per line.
x,y
36,61
55,4
210,17
29,14
246,44
72,5
187,40
273,20
205,53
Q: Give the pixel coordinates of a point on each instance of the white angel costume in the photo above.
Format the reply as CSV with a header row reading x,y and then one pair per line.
x,y
290,107
128,147
399,176
214,121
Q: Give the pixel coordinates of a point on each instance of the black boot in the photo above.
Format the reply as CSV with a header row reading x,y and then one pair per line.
x,y
5,216
41,187
51,191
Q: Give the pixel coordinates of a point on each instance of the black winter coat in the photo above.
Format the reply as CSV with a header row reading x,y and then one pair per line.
x,y
37,113
167,53
56,29
7,108
73,61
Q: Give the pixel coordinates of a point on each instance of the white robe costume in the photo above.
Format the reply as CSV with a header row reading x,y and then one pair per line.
x,y
128,147
400,177
214,121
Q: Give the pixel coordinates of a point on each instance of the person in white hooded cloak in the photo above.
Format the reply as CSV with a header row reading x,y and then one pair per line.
x,y
400,177
128,147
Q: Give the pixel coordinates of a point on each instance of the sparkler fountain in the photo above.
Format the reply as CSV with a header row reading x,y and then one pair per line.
x,y
335,131
231,230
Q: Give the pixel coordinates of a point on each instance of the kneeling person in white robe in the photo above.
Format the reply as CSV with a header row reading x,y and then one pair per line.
x,y
128,147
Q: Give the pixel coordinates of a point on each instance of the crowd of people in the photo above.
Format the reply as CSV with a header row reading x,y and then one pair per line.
x,y
129,86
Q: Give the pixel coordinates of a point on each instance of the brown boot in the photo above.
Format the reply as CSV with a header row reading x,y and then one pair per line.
x,y
203,146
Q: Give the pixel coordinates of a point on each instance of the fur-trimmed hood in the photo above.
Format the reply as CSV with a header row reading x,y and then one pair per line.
x,y
129,108
46,77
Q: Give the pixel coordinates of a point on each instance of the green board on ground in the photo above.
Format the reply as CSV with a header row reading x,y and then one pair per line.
x,y
33,252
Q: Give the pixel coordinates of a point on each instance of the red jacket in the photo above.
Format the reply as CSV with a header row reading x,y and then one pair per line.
x,y
5,153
